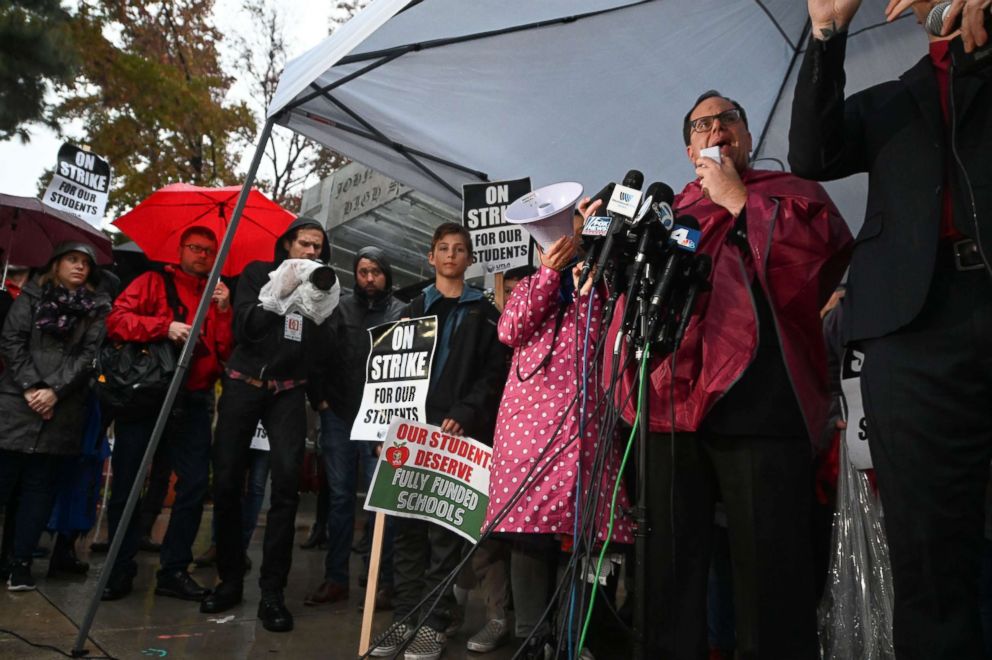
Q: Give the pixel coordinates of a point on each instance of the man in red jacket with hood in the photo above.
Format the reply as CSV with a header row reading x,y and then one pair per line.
x,y
750,397
143,313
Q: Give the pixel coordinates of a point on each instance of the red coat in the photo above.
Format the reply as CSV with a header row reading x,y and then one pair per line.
x,y
141,313
799,247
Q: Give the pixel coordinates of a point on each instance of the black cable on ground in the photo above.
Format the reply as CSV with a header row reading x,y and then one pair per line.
x,y
53,649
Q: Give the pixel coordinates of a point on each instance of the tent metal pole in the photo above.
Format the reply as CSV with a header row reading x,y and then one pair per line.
x,y
177,380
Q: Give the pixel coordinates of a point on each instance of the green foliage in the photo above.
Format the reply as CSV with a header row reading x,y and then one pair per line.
x,y
34,50
152,96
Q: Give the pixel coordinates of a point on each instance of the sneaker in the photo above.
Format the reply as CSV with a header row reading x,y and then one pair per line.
x,y
491,637
390,641
427,645
20,577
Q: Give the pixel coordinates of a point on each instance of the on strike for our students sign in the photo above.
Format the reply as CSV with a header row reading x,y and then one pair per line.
x,y
499,245
397,375
427,474
80,185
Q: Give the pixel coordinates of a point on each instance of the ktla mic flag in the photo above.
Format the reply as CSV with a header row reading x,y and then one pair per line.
x,y
80,185
424,473
499,245
397,376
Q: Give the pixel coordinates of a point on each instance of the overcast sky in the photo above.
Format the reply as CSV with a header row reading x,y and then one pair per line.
x,y
21,165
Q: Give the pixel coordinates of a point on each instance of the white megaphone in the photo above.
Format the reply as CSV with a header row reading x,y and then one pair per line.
x,y
547,212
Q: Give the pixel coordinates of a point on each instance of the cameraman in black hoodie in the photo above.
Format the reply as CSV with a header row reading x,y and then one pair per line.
x,y
267,379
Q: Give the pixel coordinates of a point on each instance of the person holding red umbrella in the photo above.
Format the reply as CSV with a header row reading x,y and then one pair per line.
x,y
159,305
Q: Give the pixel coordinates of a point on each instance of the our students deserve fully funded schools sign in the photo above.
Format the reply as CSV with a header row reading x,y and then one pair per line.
x,y
427,474
397,376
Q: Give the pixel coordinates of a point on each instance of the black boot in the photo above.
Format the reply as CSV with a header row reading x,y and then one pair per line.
x,y
273,613
64,560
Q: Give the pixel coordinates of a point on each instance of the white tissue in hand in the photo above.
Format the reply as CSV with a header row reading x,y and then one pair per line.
x,y
289,290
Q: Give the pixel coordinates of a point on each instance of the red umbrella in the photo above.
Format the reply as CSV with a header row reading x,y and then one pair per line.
x,y
157,223
30,229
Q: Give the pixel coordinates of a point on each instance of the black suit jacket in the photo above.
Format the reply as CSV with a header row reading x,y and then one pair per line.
x,y
895,131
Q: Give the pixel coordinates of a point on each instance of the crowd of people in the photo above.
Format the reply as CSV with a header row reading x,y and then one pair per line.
x,y
737,417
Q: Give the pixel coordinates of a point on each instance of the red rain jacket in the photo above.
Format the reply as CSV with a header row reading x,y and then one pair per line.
x,y
141,314
799,247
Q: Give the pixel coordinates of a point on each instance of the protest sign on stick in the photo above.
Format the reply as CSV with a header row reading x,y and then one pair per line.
x,y
80,185
431,475
397,376
499,245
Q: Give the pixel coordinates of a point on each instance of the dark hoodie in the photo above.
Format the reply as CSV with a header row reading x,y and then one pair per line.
x,y
355,314
262,349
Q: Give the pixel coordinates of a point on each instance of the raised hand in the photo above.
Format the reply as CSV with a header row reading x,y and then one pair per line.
x,y
721,183
560,253
828,17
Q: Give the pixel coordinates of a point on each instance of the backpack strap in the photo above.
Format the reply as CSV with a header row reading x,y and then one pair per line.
x,y
179,310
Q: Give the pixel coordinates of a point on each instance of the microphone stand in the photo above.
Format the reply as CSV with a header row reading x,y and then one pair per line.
x,y
640,512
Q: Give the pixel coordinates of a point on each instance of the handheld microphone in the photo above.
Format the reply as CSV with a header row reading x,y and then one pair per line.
x,y
599,239
937,17
964,63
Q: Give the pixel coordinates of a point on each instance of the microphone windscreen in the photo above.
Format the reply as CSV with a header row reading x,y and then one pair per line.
x,y
634,179
664,193
935,19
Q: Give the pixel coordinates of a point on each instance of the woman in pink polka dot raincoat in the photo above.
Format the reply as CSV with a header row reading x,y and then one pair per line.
x,y
538,422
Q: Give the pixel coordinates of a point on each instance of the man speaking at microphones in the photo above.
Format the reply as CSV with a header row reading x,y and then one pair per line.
x,y
750,397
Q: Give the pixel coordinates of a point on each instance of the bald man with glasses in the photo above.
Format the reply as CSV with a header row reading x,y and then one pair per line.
x,y
750,400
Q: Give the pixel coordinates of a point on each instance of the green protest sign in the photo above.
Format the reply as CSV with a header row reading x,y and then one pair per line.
x,y
427,474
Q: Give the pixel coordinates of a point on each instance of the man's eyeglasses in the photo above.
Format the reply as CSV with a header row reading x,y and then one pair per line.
x,y
200,249
704,124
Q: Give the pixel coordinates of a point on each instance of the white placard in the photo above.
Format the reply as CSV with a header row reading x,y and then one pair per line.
x,y
856,435
80,185
397,376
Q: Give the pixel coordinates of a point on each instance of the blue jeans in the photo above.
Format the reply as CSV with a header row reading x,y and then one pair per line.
x,y
342,458
187,440
251,503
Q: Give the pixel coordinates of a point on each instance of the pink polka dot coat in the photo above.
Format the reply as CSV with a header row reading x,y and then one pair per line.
x,y
538,420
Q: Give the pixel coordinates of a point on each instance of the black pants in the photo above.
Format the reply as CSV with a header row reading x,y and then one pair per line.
x,y
766,487
186,446
240,408
423,556
928,399
35,474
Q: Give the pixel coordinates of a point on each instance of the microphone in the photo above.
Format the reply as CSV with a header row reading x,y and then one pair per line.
x,y
659,196
623,203
684,237
936,17
600,246
593,230
700,282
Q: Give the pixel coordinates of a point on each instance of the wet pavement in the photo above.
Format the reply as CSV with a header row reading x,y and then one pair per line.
x,y
143,625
